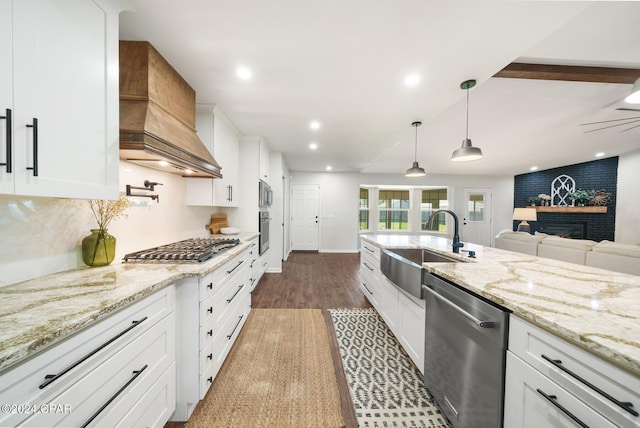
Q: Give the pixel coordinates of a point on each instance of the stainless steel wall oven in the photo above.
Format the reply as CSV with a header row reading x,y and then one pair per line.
x,y
263,228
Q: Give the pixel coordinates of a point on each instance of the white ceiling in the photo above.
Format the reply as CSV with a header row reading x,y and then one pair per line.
x,y
343,63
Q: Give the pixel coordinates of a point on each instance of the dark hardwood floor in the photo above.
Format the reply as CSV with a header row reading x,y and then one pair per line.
x,y
312,280
317,281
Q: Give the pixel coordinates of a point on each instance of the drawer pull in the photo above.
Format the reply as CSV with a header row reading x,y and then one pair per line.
x,y
368,267
210,356
623,404
367,288
7,116
34,168
210,333
234,328
50,378
210,286
369,249
235,294
235,267
553,400
210,379
210,310
136,373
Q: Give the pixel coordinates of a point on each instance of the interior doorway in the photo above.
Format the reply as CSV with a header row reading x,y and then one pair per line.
x,y
305,212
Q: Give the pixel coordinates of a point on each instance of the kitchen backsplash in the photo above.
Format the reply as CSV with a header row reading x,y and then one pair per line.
x,y
39,236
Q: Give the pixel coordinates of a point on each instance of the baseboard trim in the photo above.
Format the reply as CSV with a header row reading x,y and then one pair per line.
x,y
350,251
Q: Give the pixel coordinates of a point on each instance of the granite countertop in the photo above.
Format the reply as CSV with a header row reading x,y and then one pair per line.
x,y
40,312
595,309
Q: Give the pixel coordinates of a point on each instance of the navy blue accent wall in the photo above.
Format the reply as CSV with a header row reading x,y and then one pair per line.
x,y
595,175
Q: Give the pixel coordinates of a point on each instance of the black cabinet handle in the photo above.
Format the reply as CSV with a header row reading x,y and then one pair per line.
x,y
210,356
235,294
210,333
50,378
136,373
210,286
236,266
34,168
368,267
623,404
210,379
8,116
234,328
210,310
369,249
554,400
229,193
367,288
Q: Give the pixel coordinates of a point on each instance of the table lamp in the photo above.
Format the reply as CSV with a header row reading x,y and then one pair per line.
x,y
525,214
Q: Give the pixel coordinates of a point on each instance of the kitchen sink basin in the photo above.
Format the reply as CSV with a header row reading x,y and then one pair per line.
x,y
403,266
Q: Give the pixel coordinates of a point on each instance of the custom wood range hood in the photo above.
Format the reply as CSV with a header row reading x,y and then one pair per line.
x,y
157,115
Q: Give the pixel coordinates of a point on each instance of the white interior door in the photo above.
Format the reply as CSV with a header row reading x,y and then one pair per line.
x,y
304,216
476,221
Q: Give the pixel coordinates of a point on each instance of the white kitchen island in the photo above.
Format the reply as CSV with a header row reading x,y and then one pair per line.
x,y
594,312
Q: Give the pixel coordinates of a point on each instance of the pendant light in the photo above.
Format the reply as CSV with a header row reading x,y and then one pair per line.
x,y
415,170
467,152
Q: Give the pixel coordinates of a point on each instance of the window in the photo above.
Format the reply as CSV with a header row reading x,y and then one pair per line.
x,y
393,210
476,207
364,209
432,200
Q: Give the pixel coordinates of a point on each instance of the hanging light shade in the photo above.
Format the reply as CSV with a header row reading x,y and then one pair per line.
x,y
415,170
467,152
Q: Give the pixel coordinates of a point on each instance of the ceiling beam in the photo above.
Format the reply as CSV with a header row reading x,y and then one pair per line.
x,y
573,73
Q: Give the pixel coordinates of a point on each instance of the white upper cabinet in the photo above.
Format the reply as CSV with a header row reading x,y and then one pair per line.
x,y
264,160
59,77
223,140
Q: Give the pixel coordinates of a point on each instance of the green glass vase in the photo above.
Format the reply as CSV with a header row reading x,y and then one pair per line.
x,y
99,248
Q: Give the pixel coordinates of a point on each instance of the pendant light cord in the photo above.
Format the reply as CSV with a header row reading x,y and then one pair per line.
x,y
467,132
415,155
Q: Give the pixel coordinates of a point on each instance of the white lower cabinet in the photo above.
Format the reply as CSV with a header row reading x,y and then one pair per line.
x,y
254,267
118,372
403,314
211,312
552,383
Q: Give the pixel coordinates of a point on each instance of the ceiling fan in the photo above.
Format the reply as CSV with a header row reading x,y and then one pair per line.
x,y
613,123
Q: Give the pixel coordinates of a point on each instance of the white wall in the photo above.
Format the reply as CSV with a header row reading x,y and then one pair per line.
x,y
278,251
628,199
339,193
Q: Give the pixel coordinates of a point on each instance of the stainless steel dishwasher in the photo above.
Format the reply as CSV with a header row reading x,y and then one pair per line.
x,y
465,345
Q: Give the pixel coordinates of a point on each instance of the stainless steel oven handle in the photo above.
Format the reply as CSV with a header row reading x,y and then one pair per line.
x,y
467,315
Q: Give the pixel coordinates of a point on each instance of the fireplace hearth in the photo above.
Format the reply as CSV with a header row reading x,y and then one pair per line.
x,y
576,230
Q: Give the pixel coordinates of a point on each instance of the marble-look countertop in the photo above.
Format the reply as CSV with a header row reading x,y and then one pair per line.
x,y
595,309
37,313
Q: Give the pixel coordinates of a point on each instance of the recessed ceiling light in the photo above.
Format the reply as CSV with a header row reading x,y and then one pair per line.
x,y
313,146
163,163
533,168
329,168
188,171
599,154
411,80
314,125
244,73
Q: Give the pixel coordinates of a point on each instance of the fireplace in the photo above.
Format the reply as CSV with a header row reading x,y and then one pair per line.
x,y
575,230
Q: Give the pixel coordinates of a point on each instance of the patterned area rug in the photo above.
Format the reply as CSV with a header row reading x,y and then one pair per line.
x,y
385,385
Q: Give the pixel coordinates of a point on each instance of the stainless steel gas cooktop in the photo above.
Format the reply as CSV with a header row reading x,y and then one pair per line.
x,y
193,250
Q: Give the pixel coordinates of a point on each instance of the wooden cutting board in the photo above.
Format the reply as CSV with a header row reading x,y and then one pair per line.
x,y
217,221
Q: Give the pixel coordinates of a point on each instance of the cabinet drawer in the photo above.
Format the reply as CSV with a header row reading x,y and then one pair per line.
x,y
371,250
76,357
533,401
601,385
106,394
157,405
212,283
213,309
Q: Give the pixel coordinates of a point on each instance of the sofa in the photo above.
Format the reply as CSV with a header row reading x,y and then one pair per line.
x,y
608,255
